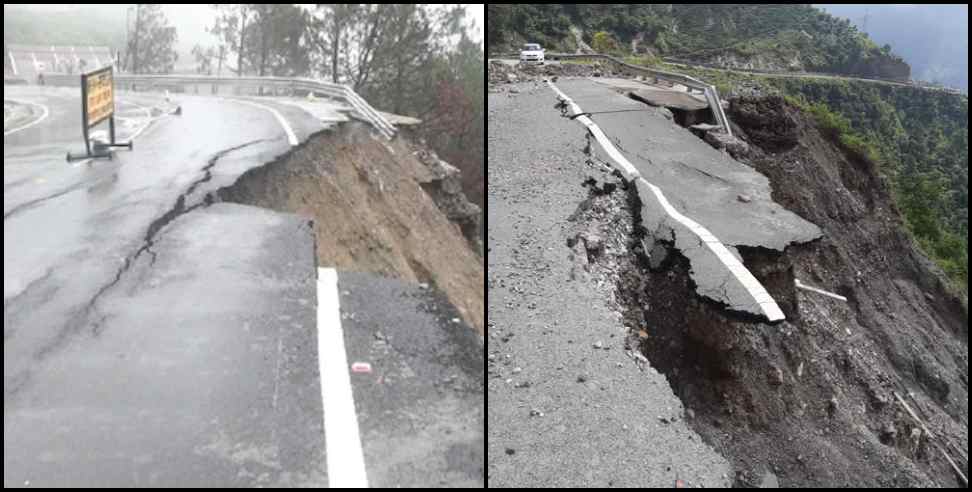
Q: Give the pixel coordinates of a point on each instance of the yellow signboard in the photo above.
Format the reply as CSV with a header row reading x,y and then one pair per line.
x,y
99,96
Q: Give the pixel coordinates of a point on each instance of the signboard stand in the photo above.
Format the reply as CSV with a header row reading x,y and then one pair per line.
x,y
97,105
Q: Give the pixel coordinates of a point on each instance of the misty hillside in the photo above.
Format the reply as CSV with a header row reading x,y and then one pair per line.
x,y
933,39
102,25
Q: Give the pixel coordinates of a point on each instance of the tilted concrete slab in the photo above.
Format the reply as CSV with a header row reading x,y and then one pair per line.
x,y
702,182
699,210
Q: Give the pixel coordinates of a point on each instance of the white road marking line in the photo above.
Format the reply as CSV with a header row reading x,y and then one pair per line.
x,y
28,125
745,277
147,110
134,135
13,63
761,297
345,460
148,119
283,122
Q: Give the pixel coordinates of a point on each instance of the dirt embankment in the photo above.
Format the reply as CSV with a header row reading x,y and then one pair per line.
x,y
391,208
810,401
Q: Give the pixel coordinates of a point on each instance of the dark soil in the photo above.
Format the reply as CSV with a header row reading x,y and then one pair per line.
x,y
764,122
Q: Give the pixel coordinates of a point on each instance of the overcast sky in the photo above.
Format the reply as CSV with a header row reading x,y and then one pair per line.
x,y
933,39
191,20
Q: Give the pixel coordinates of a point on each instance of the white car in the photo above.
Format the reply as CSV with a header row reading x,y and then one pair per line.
x,y
531,53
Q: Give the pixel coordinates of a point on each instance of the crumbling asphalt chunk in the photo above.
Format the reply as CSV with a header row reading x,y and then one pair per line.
x,y
710,275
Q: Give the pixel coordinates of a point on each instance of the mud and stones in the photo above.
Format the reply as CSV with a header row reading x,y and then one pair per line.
x,y
381,207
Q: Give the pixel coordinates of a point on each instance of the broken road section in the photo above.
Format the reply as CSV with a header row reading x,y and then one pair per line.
x,y
702,186
567,405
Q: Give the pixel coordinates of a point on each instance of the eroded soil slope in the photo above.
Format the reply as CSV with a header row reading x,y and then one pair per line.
x,y
385,207
809,401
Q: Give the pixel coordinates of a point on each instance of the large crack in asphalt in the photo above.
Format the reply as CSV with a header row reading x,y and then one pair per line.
x,y
178,209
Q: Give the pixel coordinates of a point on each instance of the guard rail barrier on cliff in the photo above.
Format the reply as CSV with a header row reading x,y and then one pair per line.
x,y
711,95
340,92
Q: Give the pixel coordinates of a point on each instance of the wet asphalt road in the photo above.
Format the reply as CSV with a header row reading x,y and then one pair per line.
x,y
199,367
421,409
607,429
154,339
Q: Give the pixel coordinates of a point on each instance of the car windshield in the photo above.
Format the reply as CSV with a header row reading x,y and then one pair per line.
x,y
531,47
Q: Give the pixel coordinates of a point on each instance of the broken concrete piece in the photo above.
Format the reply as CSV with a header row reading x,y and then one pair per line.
x,y
445,188
658,255
736,147
712,277
593,243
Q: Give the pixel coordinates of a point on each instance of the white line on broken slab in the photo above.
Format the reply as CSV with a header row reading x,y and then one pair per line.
x,y
283,122
800,285
345,460
761,297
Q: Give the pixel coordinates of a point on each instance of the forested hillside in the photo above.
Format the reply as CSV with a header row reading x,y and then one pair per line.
x,y
920,140
777,37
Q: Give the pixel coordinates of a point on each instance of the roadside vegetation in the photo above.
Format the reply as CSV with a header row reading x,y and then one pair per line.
x,y
919,141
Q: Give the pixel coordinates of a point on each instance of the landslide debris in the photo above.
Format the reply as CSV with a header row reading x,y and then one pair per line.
x,y
391,208
502,72
811,401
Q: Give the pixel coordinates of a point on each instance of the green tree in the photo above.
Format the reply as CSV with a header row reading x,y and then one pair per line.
x,y
332,27
921,196
229,26
604,43
275,40
204,59
150,46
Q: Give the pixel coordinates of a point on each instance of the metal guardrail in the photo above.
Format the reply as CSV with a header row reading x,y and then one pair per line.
x,y
334,91
919,84
711,95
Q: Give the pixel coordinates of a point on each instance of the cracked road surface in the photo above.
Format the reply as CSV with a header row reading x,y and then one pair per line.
x,y
700,182
562,412
155,338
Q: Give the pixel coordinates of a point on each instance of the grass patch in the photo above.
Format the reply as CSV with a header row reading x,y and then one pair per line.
x,y
643,60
